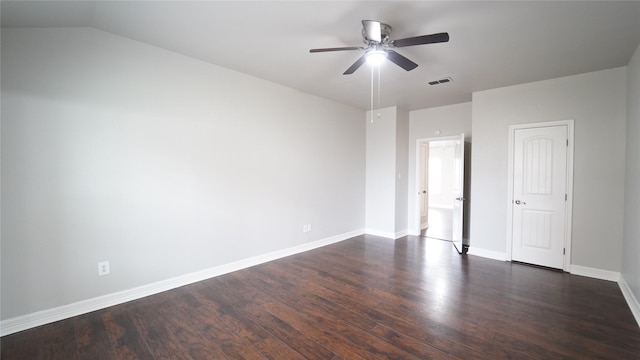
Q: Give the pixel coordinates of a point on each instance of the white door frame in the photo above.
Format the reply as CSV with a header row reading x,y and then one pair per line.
x,y
569,188
419,165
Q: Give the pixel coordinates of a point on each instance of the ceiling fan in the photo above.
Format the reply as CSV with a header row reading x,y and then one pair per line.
x,y
378,46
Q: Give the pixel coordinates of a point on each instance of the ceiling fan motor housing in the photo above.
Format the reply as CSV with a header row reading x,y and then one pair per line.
x,y
385,33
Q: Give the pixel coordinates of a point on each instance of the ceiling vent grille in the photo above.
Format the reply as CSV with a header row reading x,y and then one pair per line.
x,y
441,81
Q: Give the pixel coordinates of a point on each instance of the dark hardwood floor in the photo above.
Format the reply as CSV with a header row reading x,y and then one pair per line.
x,y
364,298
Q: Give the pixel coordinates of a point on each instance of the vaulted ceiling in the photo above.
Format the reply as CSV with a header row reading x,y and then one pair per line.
x,y
492,44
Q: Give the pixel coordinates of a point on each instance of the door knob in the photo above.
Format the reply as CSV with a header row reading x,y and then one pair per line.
x,y
424,191
518,202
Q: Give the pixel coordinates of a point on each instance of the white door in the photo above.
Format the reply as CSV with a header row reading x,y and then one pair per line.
x,y
458,194
539,195
422,187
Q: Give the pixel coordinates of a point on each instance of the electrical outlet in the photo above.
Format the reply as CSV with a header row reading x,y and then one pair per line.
x,y
103,268
306,227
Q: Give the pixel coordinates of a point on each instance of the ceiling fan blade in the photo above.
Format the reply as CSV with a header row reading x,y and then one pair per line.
x,y
336,49
372,30
401,61
421,40
355,65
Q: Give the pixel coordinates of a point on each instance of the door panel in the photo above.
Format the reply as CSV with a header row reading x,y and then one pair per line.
x,y
458,193
539,200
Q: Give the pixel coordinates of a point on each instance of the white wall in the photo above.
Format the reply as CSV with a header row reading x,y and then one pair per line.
x,y
386,199
597,103
451,120
402,168
380,172
163,165
631,243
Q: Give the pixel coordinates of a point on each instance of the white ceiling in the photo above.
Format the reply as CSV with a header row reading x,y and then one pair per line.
x,y
493,44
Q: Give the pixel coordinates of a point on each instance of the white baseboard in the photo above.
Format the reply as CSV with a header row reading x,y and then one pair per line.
x,y
384,234
594,273
387,234
631,299
495,255
24,322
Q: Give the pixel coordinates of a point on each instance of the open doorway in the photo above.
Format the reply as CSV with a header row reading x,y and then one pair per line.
x,y
440,183
443,173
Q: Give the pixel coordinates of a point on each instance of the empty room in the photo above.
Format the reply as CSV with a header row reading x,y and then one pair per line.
x,y
320,180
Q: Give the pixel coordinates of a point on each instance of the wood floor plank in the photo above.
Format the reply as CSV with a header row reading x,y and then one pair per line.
x,y
60,341
382,312
272,348
303,343
193,336
364,298
22,345
315,302
92,338
337,319
126,340
325,336
235,317
232,339
301,321
151,321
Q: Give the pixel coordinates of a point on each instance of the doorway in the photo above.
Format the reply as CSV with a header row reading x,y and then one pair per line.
x,y
440,185
441,188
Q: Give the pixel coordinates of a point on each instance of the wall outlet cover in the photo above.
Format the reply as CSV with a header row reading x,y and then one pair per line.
x,y
103,268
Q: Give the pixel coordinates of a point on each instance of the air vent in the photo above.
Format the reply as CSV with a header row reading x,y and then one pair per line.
x,y
441,81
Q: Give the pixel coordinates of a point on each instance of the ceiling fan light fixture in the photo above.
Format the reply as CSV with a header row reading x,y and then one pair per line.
x,y
376,57
378,46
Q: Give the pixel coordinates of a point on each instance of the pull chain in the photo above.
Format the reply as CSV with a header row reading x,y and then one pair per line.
x,y
378,106
372,92
371,114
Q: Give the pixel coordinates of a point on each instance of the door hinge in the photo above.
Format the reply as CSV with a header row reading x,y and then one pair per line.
x,y
567,142
565,197
564,251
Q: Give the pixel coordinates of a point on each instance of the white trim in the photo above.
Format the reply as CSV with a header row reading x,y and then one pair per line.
x,y
24,322
509,204
569,189
490,254
634,305
595,273
380,233
387,234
